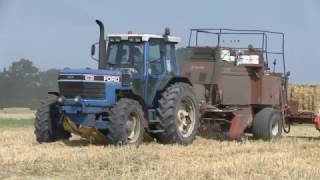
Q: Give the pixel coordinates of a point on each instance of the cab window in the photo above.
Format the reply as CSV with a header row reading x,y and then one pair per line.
x,y
156,65
126,54
170,58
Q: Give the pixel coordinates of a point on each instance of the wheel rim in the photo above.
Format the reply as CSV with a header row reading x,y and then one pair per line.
x,y
133,127
186,117
275,128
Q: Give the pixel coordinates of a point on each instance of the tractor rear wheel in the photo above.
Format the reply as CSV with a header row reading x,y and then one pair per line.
x,y
126,123
178,112
49,123
267,124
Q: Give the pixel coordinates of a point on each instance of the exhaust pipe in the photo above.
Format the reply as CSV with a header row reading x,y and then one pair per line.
x,y
102,47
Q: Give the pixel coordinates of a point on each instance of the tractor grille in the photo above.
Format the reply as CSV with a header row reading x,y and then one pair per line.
x,y
86,90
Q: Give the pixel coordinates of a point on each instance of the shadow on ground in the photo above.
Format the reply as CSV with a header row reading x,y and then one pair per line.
x,y
76,142
309,138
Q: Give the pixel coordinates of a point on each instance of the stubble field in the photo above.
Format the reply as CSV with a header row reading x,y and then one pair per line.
x,y
294,157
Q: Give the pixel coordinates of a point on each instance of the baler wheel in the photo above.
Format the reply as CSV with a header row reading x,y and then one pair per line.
x,y
267,124
126,123
49,123
178,112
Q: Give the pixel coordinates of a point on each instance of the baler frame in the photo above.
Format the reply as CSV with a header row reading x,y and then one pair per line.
x,y
265,35
289,116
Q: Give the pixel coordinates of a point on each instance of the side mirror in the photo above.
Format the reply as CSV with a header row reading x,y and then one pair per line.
x,y
93,50
93,53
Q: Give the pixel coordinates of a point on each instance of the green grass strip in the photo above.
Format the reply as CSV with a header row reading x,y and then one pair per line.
x,y
15,122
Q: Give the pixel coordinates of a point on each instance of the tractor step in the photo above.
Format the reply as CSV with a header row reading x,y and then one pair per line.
x,y
152,117
154,121
156,131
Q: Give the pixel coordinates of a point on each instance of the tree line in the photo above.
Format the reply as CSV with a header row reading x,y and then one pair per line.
x,y
23,84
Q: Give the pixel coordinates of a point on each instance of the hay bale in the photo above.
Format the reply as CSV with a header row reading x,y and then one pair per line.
x,y
308,96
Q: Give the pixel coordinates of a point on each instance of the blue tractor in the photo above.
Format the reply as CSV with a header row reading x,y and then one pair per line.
x,y
137,89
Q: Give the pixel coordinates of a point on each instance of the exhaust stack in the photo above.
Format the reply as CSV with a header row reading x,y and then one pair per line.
x,y
102,47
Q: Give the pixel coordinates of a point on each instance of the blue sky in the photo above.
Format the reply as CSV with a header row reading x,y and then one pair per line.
x,y
59,33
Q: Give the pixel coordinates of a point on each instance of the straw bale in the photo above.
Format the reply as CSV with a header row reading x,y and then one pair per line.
x,y
307,95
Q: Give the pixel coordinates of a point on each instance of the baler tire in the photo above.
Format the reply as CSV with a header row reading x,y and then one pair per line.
x,y
168,111
49,123
120,114
267,124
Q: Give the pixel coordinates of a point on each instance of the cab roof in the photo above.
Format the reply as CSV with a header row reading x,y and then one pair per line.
x,y
146,37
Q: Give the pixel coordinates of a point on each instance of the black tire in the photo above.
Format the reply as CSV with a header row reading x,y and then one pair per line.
x,y
49,123
169,103
120,118
267,124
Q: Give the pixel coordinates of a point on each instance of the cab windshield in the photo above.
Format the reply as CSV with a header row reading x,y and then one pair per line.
x,y
126,54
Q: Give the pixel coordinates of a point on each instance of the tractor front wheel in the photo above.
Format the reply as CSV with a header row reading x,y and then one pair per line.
x,y
49,123
126,123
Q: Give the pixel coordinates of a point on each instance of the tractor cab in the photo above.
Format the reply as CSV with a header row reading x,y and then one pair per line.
x,y
141,53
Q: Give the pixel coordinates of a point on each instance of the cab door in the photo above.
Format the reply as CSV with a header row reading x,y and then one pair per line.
x,y
156,71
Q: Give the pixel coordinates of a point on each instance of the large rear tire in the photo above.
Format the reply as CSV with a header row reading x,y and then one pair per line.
x,y
267,124
126,123
178,112
49,123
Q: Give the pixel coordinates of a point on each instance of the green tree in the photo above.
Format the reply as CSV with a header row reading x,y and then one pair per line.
x,y
19,84
24,85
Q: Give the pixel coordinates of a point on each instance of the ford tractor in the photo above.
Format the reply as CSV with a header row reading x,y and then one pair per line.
x,y
138,88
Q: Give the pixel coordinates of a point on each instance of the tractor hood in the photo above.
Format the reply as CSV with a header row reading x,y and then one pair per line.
x,y
89,87
91,71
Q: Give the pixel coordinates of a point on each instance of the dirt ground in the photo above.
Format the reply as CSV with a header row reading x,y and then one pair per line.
x,y
294,157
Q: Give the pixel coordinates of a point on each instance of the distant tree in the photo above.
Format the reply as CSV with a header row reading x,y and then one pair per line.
x,y
19,83
24,85
23,70
47,82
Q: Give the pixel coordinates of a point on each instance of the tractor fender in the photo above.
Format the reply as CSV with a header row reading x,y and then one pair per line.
x,y
173,80
54,93
166,84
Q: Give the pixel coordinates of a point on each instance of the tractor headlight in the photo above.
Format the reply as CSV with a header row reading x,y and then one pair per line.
x,y
77,99
112,78
115,39
60,99
135,39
